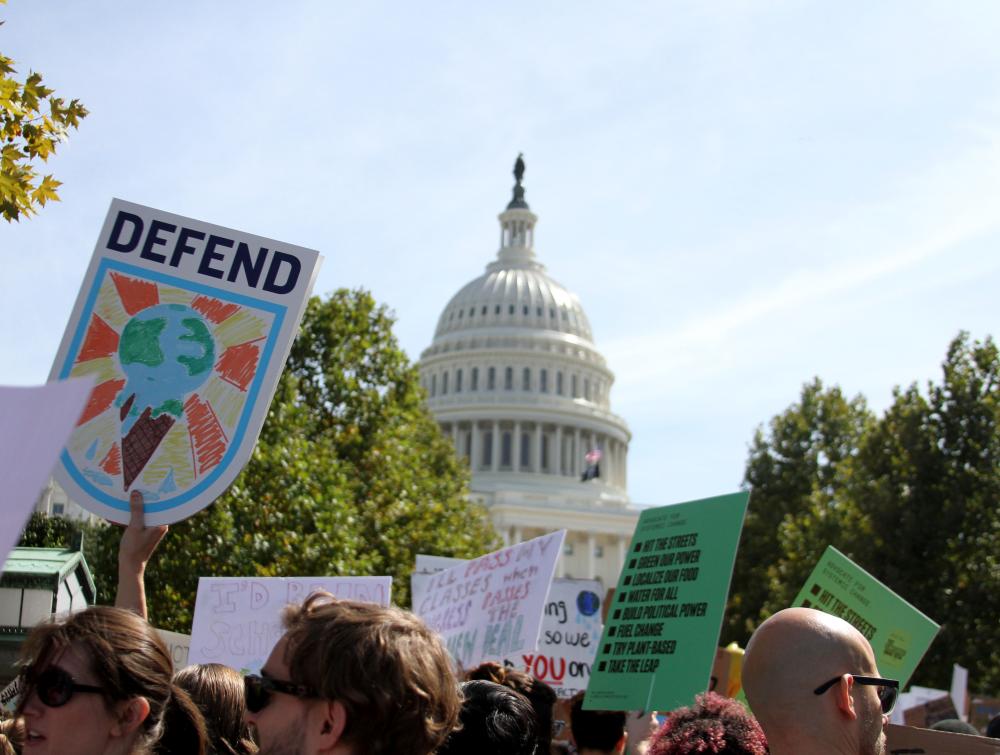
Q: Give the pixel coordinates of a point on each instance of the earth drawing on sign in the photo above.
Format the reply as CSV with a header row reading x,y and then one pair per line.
x,y
174,369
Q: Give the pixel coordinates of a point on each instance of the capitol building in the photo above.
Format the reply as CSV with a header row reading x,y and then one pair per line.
x,y
514,379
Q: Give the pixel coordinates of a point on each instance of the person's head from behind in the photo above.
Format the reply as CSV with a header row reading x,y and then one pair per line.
x,y
217,690
993,727
98,682
495,720
541,696
596,731
351,677
812,681
955,726
714,725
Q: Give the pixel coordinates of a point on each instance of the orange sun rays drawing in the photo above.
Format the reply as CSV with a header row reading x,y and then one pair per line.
x,y
174,369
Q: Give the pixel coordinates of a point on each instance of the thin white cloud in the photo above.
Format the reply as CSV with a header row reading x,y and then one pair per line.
x,y
949,206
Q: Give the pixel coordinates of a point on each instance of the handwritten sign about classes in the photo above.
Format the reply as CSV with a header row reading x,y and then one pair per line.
x,y
184,327
237,621
492,606
659,642
571,630
899,633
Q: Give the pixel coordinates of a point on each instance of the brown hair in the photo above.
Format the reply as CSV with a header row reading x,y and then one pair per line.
x,y
217,690
391,673
11,735
130,660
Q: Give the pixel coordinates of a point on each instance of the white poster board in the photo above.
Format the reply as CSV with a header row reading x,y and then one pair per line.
x,y
492,606
237,620
34,425
571,627
571,631
423,569
179,646
185,327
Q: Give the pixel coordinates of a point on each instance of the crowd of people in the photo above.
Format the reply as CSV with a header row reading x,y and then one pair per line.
x,y
353,678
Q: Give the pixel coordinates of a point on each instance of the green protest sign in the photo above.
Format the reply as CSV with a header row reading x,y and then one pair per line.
x,y
663,623
899,633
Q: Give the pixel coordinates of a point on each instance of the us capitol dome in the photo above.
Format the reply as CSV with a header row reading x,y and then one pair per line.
x,y
514,379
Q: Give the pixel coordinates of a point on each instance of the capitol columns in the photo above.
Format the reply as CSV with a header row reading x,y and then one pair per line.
x,y
475,452
577,454
607,461
495,447
515,461
557,460
591,563
538,447
622,551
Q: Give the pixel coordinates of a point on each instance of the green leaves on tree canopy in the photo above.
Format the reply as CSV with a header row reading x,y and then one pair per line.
x,y
912,496
32,123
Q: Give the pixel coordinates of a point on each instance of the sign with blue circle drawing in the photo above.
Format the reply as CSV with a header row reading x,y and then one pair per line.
x,y
185,327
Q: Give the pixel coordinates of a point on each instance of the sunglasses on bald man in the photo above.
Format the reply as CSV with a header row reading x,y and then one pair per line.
x,y
888,689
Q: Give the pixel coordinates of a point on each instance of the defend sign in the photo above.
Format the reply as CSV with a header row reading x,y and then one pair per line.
x,y
185,326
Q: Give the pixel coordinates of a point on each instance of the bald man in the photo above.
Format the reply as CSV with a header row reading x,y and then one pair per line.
x,y
813,685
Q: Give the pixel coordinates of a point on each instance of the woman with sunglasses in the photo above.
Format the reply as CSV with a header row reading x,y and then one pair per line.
x,y
99,682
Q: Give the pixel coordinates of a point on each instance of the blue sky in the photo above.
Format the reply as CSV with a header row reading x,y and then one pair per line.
x,y
744,195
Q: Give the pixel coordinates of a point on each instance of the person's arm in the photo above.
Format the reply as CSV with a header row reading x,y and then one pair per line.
x,y
134,551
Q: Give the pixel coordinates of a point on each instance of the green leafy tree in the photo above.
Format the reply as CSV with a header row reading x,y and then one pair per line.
x,y
911,496
32,123
351,475
929,484
43,531
794,471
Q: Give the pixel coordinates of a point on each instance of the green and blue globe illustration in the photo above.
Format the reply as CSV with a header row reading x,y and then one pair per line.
x,y
166,351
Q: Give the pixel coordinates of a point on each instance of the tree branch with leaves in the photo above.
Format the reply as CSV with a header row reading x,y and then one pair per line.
x,y
33,121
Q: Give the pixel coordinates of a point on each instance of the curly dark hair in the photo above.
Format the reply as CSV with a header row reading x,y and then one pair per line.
x,y
714,724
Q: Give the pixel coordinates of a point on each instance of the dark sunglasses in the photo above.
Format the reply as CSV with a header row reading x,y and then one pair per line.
x,y
888,689
258,690
54,686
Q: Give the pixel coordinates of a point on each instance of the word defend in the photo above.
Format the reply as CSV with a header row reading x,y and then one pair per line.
x,y
492,606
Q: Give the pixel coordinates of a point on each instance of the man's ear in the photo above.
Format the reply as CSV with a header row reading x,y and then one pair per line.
x,y
842,693
332,723
619,748
130,715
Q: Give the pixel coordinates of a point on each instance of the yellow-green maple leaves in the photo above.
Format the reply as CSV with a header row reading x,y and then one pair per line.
x,y
32,124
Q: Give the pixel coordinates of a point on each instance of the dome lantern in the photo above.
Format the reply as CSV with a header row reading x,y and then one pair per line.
x,y
517,227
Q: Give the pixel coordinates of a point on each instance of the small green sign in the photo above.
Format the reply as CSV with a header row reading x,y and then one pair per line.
x,y
899,633
659,641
